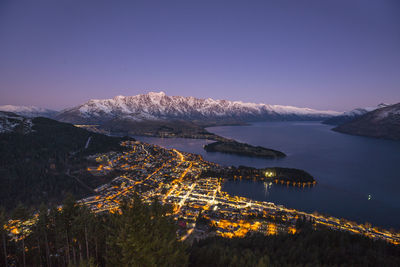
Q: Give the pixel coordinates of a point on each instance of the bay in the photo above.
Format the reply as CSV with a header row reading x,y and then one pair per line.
x,y
358,178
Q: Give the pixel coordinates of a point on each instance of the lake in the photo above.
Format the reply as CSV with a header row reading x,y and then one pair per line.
x,y
358,178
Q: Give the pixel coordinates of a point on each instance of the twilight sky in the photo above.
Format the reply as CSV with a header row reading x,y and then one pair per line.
x,y
331,54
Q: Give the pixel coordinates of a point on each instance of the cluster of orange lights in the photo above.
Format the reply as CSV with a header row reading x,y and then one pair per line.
x,y
227,228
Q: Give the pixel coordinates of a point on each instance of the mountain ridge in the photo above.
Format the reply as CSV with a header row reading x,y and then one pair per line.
x,y
351,115
159,106
29,111
380,123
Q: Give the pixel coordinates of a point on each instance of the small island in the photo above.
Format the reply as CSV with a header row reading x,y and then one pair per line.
x,y
234,147
288,176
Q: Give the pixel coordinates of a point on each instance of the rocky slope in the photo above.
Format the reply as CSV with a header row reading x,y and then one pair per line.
x,y
380,123
11,122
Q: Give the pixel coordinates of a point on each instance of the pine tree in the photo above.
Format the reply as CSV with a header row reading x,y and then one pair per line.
x,y
21,213
3,221
144,236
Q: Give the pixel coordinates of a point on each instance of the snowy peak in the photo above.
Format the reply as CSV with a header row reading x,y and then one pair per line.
x,y
156,95
383,105
29,111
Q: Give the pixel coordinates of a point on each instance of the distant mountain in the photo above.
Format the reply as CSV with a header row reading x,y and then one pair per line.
x,y
159,106
351,115
380,123
29,111
157,114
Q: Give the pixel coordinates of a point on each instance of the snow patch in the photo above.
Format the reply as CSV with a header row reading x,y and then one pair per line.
x,y
9,123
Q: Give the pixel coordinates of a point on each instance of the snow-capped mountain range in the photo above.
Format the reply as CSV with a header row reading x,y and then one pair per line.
x,y
157,114
29,111
159,106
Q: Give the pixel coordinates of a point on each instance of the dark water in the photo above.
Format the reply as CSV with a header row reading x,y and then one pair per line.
x,y
347,169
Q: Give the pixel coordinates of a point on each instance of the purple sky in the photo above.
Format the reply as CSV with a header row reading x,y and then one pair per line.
x,y
331,54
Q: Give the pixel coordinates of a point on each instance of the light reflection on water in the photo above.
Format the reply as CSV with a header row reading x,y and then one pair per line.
x,y
267,187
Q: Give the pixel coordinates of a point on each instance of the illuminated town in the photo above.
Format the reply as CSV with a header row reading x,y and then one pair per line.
x,y
173,177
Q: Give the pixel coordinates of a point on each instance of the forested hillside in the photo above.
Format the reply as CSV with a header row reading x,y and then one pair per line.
x,y
140,235
36,166
143,235
308,247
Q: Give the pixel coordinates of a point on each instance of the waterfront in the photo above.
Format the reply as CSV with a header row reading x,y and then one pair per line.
x,y
347,168
193,187
199,204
